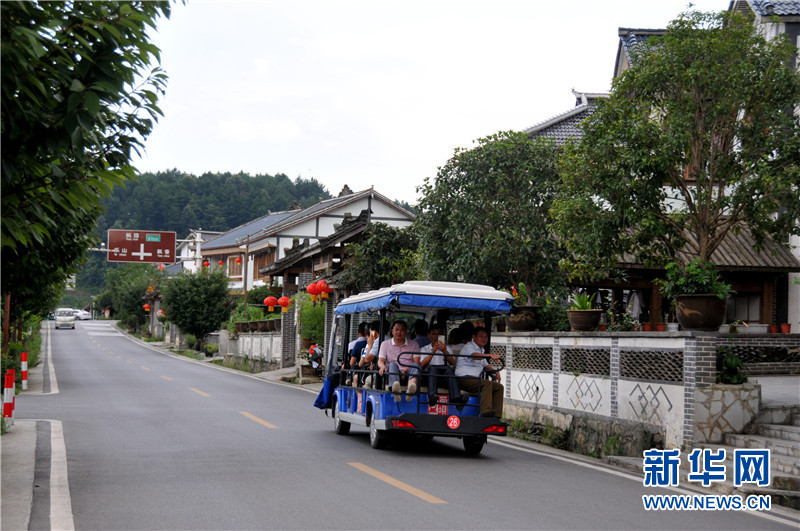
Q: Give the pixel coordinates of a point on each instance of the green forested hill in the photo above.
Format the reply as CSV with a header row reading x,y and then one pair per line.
x,y
177,201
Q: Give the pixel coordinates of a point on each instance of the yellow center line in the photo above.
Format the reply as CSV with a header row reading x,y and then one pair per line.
x,y
260,421
167,378
144,368
430,498
199,392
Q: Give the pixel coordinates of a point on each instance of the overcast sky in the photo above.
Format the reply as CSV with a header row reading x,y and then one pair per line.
x,y
375,92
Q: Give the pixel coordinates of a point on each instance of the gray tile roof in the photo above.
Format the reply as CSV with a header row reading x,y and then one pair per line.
x,y
776,7
565,126
631,38
230,238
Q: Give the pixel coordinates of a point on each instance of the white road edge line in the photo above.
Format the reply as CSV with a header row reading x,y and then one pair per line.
x,y
216,367
60,499
50,367
625,475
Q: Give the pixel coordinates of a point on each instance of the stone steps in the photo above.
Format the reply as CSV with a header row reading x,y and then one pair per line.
x,y
777,446
780,464
789,432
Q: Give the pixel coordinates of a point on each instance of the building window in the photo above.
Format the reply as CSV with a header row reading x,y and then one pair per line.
x,y
234,269
744,307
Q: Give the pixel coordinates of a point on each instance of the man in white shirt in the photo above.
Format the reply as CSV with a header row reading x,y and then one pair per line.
x,y
436,360
472,362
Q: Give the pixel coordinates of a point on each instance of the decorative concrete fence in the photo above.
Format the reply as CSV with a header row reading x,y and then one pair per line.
x,y
260,346
657,382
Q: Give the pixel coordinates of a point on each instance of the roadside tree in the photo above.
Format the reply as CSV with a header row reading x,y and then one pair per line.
x,y
197,303
697,140
78,96
484,217
387,255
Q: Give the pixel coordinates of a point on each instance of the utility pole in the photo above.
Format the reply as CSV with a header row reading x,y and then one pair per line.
x,y
244,272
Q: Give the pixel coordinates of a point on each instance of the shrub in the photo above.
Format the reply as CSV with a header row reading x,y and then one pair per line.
x,y
191,340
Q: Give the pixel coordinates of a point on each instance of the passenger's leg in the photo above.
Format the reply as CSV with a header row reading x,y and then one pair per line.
x,y
473,386
498,393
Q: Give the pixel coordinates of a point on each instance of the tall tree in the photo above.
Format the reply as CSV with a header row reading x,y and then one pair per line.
x,y
197,303
699,138
484,217
387,255
79,94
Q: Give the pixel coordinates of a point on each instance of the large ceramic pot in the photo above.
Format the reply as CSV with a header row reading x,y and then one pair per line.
x,y
238,327
522,319
263,326
700,312
584,320
245,326
277,324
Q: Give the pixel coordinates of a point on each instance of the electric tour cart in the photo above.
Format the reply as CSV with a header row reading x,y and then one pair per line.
x,y
366,400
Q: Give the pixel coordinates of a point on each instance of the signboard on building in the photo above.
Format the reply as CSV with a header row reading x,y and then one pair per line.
x,y
142,246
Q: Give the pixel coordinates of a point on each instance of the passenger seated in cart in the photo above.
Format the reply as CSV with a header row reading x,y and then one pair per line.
x,y
356,349
436,360
472,362
409,368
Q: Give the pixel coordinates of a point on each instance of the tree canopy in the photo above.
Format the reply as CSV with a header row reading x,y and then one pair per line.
x,y
197,302
387,255
484,217
698,139
79,95
177,201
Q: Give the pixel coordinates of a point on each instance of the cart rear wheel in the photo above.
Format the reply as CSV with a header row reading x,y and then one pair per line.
x,y
474,445
378,439
339,426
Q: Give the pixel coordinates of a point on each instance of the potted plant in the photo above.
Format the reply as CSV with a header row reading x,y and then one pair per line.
x,y
523,314
581,314
699,294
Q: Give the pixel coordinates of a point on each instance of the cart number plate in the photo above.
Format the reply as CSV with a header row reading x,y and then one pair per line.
x,y
453,422
439,408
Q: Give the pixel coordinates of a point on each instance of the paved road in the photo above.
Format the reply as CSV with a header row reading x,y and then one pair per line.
x,y
155,441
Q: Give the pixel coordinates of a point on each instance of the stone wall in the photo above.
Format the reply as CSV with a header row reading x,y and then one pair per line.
x,y
720,409
655,380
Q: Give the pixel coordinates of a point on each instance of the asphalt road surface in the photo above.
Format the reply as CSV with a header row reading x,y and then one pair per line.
x,y
155,441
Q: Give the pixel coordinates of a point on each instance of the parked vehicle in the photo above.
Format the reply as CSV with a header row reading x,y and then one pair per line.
x,y
82,315
377,408
65,318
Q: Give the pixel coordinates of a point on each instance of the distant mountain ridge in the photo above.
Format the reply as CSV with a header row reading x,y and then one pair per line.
x,y
176,201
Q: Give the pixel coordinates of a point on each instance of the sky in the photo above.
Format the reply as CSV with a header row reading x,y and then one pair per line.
x,y
375,93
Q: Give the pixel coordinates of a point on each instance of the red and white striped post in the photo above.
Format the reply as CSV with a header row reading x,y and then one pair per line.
x,y
24,371
8,402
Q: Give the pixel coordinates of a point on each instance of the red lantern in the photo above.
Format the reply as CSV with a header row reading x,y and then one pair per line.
x,y
323,288
206,263
220,262
146,307
161,267
238,259
313,290
284,303
271,302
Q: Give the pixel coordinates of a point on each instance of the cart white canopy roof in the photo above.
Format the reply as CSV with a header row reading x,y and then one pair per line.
x,y
427,294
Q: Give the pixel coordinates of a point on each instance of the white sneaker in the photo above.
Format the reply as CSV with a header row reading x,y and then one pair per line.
x,y
412,388
396,391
